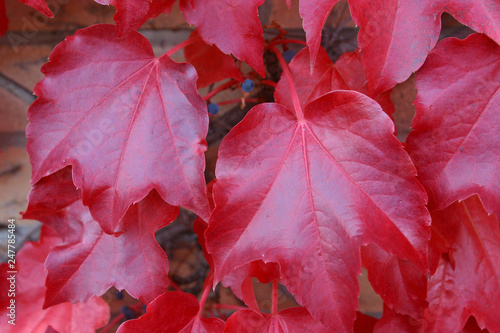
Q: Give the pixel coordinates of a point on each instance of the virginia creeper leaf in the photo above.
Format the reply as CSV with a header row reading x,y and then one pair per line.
x,y
30,294
173,312
142,126
314,15
364,323
234,27
90,261
395,36
39,5
291,320
467,281
132,14
400,283
211,64
392,321
307,193
455,145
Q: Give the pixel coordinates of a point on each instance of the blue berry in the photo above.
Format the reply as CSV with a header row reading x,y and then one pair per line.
x,y
213,108
247,85
288,55
128,313
119,295
144,308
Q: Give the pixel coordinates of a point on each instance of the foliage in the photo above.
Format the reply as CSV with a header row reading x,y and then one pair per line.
x,y
308,189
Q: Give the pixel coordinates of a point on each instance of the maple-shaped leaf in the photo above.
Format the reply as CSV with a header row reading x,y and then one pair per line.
x,y
467,281
314,15
395,36
305,190
211,64
393,322
173,312
90,261
455,145
400,283
234,27
139,127
132,14
30,292
4,21
325,76
39,5
291,320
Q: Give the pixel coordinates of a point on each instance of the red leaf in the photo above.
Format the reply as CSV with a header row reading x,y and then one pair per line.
x,y
291,320
400,283
469,283
393,322
306,193
170,313
30,291
4,21
455,145
132,14
211,64
364,323
396,36
314,15
39,5
126,132
310,83
234,28
90,261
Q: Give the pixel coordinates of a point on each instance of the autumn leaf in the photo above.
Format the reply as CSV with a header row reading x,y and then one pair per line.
x,y
455,145
333,177
234,28
132,14
211,64
173,312
89,261
467,281
4,21
30,294
140,127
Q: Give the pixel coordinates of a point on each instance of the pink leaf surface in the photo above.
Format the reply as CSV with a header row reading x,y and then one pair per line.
x,y
455,145
395,36
142,126
234,27
90,261
30,294
173,312
326,184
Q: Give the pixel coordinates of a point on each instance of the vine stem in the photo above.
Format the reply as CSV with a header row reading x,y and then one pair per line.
x,y
182,45
275,297
288,75
269,83
206,291
219,89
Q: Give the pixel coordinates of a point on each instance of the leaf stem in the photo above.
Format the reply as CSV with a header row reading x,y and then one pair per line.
x,y
182,45
206,291
229,306
220,88
269,83
239,100
288,76
275,297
